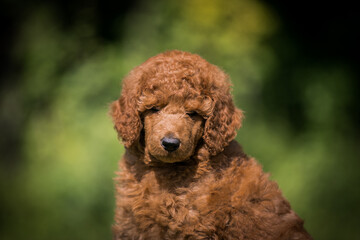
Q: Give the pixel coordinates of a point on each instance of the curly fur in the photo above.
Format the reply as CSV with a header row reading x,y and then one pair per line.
x,y
206,189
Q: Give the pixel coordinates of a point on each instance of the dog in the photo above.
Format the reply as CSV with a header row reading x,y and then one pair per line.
x,y
183,176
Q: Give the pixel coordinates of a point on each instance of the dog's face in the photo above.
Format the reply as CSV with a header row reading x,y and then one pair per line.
x,y
171,132
173,104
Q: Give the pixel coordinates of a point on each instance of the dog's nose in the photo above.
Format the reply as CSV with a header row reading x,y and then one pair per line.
x,y
170,144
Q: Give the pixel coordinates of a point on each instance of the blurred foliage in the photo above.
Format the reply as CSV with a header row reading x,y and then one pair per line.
x,y
298,112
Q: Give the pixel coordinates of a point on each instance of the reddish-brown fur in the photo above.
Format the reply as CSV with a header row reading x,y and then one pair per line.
x,y
206,189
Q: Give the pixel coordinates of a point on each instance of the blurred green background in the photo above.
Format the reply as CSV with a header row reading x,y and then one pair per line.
x,y
295,74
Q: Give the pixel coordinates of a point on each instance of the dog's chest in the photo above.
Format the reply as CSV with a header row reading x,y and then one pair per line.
x,y
185,207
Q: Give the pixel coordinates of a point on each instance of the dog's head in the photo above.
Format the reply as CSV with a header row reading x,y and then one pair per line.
x,y
174,104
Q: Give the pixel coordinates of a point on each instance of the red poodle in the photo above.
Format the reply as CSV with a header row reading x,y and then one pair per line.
x,y
183,176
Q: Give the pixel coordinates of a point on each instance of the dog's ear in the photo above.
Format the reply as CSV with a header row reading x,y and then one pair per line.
x,y
126,120
220,127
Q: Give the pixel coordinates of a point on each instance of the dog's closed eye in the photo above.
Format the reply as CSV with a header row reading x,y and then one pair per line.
x,y
192,113
154,109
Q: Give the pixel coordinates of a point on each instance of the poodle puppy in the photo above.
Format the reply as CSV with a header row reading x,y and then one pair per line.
x,y
183,176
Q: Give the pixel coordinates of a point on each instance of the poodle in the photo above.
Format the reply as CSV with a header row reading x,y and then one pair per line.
x,y
183,176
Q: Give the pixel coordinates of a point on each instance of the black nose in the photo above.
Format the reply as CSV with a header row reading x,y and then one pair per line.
x,y
170,144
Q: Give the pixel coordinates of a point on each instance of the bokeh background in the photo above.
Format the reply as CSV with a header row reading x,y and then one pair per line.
x,y
295,72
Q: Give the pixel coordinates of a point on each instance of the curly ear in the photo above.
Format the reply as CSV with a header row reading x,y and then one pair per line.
x,y
220,127
126,120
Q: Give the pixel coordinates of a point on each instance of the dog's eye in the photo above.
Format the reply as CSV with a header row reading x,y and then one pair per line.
x,y
154,109
192,114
